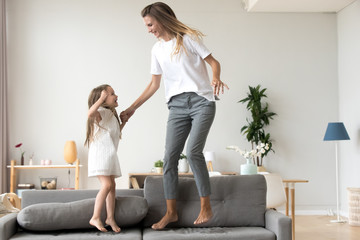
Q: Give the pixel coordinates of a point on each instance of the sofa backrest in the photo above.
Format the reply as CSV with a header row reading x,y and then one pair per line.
x,y
62,196
236,201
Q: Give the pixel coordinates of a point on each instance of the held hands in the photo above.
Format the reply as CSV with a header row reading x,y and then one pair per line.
x,y
218,85
125,115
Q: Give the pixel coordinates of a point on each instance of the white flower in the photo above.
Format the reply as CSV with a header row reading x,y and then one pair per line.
x,y
267,147
256,152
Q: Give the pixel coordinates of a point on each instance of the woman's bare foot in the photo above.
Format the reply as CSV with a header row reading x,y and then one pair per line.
x,y
113,225
205,213
168,218
204,216
98,224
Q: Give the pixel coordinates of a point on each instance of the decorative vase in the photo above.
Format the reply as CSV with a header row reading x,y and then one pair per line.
x,y
183,166
22,159
70,152
248,168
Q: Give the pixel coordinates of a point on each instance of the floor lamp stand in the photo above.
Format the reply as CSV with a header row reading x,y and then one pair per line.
x,y
338,220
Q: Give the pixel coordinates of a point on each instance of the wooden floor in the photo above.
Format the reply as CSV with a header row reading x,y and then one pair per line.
x,y
320,228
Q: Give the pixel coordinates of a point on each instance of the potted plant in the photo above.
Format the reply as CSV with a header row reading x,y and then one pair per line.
x,y
249,167
260,117
183,166
159,166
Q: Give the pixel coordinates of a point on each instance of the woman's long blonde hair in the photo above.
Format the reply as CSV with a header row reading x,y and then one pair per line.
x,y
93,97
167,18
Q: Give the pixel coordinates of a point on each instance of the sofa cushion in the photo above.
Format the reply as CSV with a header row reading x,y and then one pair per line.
x,y
236,201
76,215
62,196
80,234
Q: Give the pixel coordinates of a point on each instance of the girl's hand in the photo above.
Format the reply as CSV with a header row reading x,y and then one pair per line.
x,y
218,85
104,95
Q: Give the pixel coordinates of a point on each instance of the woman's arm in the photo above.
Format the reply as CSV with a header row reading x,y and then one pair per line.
x,y
148,92
93,110
216,82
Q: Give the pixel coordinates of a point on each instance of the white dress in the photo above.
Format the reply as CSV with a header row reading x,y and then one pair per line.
x,y
103,159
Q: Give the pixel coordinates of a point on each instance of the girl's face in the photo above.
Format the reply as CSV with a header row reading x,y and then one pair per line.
x,y
111,99
155,28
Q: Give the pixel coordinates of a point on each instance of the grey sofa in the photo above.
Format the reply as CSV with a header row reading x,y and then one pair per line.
x,y
238,203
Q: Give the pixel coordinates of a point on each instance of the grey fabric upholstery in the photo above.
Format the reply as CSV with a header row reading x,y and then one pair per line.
x,y
234,198
129,211
236,201
46,196
279,224
8,226
215,233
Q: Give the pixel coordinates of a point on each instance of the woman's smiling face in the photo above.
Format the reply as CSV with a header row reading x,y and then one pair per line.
x,y
155,27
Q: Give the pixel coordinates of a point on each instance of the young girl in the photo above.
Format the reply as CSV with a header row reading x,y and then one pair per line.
x,y
102,138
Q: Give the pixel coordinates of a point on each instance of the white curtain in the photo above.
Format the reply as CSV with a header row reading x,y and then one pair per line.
x,y
3,101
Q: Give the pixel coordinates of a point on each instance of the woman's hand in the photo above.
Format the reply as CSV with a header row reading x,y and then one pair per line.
x,y
218,86
125,115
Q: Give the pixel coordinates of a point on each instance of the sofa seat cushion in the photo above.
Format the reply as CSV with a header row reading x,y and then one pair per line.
x,y
215,233
236,201
129,211
85,234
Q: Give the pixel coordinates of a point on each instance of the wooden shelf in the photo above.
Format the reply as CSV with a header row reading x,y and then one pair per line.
x,y
14,168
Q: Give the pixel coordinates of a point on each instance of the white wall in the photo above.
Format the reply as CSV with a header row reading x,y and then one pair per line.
x,y
59,50
349,84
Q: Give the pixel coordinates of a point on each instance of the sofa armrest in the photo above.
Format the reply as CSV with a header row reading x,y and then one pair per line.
x,y
279,224
8,226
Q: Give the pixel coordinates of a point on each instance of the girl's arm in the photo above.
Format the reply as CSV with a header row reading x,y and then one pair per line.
x,y
93,111
122,125
148,92
216,82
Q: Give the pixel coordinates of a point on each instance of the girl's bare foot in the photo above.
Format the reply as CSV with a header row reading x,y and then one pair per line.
x,y
98,224
113,225
168,218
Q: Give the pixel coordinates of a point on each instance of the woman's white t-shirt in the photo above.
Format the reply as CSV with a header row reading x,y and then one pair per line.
x,y
183,72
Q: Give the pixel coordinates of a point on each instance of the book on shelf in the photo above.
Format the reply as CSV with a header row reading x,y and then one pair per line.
x,y
26,186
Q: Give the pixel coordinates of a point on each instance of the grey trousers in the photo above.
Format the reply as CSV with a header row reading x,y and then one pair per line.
x,y
190,115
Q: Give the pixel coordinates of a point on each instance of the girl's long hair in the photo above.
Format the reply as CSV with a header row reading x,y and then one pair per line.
x,y
166,17
93,97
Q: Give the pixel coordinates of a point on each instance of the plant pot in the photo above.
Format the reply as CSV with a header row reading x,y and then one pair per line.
x,y
261,169
159,170
183,166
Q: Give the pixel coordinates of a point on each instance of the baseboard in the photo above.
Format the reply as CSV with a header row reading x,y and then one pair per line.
x,y
320,212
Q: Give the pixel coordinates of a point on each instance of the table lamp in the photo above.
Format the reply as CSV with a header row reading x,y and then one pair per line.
x,y
209,158
70,152
336,131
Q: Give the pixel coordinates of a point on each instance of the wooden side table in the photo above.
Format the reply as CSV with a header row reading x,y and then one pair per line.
x,y
14,168
290,183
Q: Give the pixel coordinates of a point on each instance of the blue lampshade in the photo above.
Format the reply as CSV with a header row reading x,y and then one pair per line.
x,y
336,131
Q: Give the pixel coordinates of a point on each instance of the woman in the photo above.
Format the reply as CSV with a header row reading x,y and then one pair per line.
x,y
179,58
